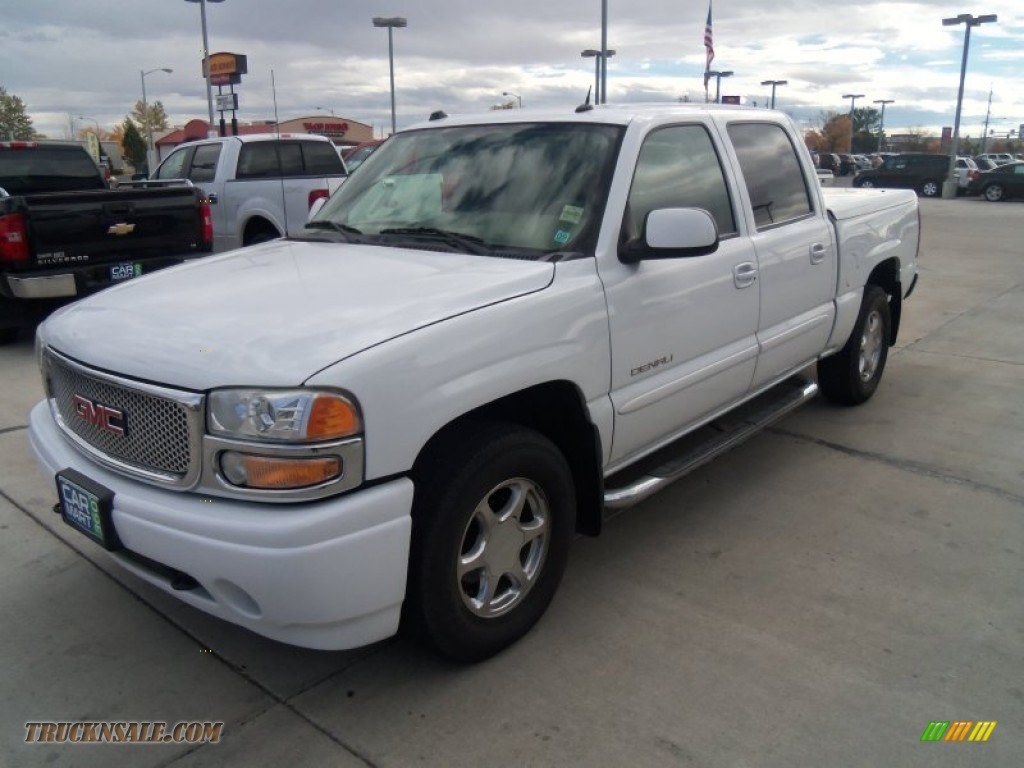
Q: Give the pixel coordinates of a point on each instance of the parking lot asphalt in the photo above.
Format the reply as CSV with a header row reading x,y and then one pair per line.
x,y
814,598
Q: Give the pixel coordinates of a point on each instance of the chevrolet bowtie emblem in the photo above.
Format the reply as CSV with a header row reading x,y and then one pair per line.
x,y
121,229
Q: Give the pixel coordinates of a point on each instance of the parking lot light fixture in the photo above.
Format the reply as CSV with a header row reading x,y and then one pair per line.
x,y
774,83
515,96
145,113
949,186
211,131
718,82
881,121
596,55
391,22
853,100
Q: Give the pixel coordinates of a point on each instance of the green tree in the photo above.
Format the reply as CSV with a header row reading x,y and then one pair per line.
x,y
154,116
15,124
133,144
867,122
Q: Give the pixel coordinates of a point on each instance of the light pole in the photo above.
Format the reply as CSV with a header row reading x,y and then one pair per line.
x,y
326,109
950,185
391,23
774,83
718,82
604,48
145,114
853,100
92,120
210,132
596,55
515,96
881,122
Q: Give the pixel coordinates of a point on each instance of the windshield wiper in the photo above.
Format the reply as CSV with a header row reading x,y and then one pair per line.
x,y
469,243
342,229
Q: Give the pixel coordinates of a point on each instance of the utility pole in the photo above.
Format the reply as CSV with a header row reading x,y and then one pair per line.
x,y
988,113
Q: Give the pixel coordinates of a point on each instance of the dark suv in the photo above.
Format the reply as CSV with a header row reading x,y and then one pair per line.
x,y
911,170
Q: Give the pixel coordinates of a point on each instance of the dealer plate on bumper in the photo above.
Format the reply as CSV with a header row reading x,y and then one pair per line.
x,y
86,506
124,271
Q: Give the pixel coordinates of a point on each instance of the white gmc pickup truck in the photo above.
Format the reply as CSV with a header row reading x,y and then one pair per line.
x,y
498,329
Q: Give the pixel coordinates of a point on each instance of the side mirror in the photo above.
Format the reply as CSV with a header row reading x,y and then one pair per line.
x,y
672,233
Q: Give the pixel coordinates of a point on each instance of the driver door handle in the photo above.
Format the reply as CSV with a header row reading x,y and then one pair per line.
x,y
744,274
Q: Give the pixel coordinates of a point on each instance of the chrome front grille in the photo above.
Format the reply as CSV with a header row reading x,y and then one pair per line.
x,y
161,430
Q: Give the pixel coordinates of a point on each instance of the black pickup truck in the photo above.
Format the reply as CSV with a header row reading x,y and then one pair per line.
x,y
64,233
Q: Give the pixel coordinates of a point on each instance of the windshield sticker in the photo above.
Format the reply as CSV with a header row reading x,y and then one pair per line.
x,y
571,214
562,236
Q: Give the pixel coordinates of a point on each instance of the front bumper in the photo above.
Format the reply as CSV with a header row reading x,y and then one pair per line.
x,y
328,575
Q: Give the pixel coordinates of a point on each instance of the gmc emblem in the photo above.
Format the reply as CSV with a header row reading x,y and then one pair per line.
x,y
101,416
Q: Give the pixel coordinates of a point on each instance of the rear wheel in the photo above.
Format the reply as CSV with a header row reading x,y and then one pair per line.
x,y
259,233
851,376
930,188
994,193
492,523
8,335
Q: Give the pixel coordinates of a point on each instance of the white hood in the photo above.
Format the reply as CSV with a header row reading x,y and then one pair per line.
x,y
275,314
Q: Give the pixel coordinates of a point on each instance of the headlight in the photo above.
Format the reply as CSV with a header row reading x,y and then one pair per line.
x,y
296,415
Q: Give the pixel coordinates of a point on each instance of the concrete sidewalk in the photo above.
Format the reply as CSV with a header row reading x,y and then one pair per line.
x,y
814,598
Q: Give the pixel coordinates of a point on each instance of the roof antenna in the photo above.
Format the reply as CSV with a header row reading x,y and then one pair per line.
x,y
277,148
586,106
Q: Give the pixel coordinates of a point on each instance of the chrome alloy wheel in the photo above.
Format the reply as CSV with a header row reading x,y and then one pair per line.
x,y
503,548
870,346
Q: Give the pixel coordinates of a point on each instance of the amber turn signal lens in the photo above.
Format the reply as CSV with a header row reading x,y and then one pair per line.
x,y
331,416
272,473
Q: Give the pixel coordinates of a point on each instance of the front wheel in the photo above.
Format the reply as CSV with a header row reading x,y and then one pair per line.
x,y
493,520
994,193
930,188
851,376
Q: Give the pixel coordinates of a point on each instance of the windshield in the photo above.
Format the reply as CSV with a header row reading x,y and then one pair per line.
x,y
523,190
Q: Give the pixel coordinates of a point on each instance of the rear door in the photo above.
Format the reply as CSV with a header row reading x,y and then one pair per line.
x,y
794,243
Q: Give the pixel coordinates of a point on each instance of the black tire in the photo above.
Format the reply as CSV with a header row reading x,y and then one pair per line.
x,y
930,188
994,193
261,234
483,469
9,335
851,376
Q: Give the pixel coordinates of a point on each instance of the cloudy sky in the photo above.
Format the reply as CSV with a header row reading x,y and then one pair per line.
x,y
67,58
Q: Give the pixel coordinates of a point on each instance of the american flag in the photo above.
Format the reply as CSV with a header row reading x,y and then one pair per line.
x,y
709,46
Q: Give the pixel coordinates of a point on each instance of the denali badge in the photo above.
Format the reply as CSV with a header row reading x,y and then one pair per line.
x,y
101,416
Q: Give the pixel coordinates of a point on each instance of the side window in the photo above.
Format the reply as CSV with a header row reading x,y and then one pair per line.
x,y
678,168
772,172
204,163
174,166
322,159
258,160
291,158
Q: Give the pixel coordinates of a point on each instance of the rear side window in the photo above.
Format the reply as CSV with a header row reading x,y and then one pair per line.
x,y
174,166
678,168
322,159
204,163
48,169
258,160
291,158
771,169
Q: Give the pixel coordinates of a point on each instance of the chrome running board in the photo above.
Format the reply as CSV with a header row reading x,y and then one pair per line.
x,y
724,433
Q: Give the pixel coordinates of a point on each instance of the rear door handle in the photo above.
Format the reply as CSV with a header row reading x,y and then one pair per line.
x,y
818,253
744,274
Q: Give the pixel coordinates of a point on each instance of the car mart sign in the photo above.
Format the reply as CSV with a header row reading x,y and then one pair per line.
x,y
226,68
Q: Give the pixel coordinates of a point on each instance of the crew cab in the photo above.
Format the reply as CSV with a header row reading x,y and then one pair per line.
x,y
498,329
260,186
64,233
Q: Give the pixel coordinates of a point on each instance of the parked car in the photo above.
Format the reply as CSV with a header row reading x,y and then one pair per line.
x,y
862,162
355,156
847,165
64,233
407,411
999,158
1001,183
985,163
260,186
830,162
964,168
919,171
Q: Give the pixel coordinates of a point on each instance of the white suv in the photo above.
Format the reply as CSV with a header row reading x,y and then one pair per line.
x,y
999,158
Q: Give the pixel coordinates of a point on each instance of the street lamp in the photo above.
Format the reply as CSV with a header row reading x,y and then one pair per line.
x,y
391,23
950,185
774,83
145,114
604,48
326,109
210,132
515,96
92,120
718,82
853,100
596,55
881,122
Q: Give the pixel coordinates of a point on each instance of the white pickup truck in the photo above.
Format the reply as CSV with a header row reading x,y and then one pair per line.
x,y
500,328
259,186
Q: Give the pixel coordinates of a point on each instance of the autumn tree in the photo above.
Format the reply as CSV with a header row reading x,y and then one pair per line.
x,y
133,144
15,124
153,116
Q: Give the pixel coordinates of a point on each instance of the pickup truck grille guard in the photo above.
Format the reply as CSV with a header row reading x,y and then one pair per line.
x,y
157,431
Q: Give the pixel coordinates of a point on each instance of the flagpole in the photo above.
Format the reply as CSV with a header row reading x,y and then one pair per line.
x,y
709,49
